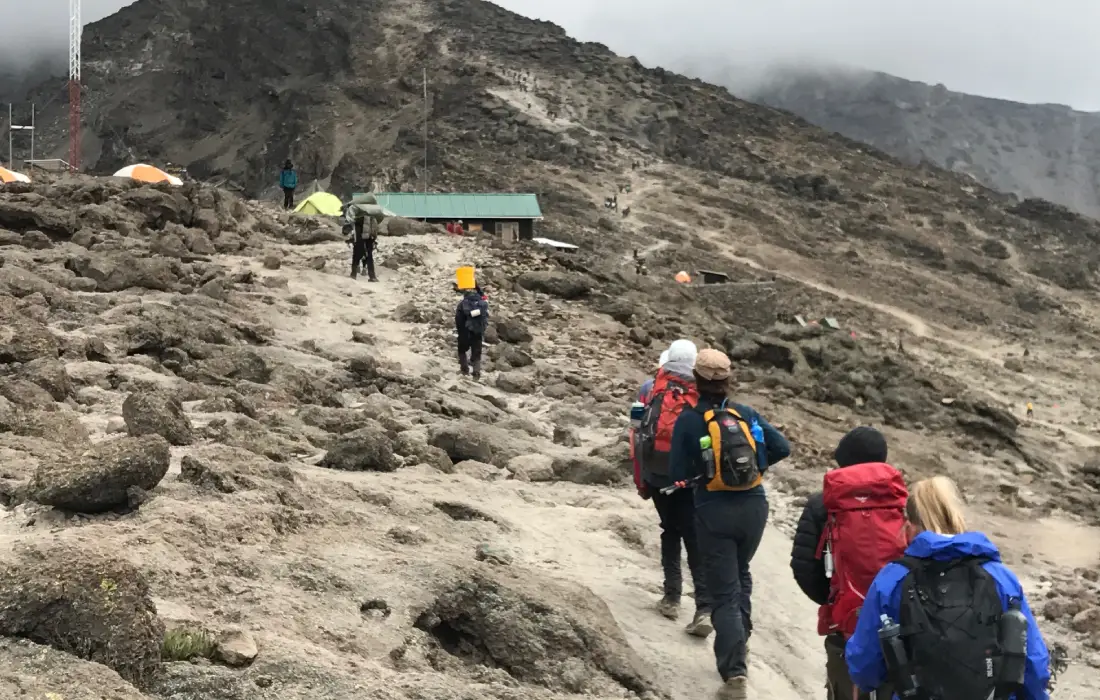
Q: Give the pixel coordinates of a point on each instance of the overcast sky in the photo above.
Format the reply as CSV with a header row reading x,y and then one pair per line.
x,y
1027,50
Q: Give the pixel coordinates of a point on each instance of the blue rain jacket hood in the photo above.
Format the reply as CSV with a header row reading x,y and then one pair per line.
x,y
864,655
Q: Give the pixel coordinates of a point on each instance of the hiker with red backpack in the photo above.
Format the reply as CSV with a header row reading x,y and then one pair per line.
x,y
847,533
671,393
720,452
948,621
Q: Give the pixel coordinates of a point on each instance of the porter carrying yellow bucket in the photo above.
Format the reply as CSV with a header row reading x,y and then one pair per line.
x,y
464,278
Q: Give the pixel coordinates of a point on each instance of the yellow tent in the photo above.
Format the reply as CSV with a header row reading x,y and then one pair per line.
x,y
321,203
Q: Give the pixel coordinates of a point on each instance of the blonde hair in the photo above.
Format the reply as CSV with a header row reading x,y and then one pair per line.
x,y
935,504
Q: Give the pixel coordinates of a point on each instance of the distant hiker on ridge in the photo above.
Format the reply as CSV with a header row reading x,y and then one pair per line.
x,y
288,180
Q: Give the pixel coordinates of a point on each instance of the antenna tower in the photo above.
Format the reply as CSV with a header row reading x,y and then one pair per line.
x,y
75,29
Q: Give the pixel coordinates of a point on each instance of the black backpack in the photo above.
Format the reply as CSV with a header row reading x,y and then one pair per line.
x,y
476,323
950,615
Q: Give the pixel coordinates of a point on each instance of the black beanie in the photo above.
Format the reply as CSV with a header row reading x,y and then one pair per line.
x,y
861,446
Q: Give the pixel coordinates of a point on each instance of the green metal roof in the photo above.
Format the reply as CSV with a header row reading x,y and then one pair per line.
x,y
417,205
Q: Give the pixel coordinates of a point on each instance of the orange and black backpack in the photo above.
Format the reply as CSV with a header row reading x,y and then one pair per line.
x,y
731,463
668,398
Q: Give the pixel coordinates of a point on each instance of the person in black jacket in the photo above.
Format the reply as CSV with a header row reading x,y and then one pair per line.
x,y
471,321
860,446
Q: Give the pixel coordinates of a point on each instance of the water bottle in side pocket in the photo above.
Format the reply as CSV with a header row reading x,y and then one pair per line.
x,y
761,449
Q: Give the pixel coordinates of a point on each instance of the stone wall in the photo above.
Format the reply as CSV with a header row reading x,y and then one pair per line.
x,y
750,305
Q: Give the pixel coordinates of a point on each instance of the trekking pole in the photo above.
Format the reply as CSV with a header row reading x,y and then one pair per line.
x,y
681,485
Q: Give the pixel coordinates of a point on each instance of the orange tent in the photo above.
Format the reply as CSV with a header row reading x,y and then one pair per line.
x,y
148,173
683,277
12,176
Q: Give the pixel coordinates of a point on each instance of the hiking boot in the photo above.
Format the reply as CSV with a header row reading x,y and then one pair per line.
x,y
477,376
736,688
354,273
700,625
669,607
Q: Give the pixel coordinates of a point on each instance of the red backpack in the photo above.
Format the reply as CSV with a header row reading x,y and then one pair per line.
x,y
667,399
864,532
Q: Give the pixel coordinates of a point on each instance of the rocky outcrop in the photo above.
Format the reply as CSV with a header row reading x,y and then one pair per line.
x,y
41,671
91,606
368,448
564,285
103,477
157,413
552,635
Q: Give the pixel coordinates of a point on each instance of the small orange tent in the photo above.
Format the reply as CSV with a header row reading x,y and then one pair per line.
x,y
683,277
148,173
12,176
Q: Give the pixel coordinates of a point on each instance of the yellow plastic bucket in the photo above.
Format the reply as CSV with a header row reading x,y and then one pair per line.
x,y
464,277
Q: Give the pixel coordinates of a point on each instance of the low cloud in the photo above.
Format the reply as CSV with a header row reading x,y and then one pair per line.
x,y
1014,49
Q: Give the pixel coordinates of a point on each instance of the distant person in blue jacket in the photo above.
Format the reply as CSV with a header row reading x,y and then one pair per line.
x,y
288,180
948,594
728,524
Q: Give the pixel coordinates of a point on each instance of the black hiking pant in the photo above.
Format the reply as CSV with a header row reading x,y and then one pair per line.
x,y
729,530
469,352
677,513
837,681
288,198
362,249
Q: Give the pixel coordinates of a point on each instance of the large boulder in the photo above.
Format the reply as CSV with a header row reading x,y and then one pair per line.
x,y
124,270
42,672
367,449
412,445
480,442
555,635
157,412
462,441
23,340
586,470
516,382
51,376
89,605
532,467
564,285
103,476
512,330
226,469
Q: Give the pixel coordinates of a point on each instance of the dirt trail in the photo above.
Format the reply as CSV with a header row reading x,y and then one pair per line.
x,y
563,529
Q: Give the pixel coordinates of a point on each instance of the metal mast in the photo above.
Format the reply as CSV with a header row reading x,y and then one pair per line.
x,y
75,29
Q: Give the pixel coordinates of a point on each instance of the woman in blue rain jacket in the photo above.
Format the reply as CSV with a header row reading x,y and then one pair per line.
x,y
938,531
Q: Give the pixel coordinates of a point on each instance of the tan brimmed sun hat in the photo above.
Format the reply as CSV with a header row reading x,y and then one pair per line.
x,y
712,365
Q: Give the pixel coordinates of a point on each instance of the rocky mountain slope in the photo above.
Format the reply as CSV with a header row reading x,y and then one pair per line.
x,y
234,473
1031,150
294,496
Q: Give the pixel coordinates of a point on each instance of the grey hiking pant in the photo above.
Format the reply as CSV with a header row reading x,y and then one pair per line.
x,y
729,530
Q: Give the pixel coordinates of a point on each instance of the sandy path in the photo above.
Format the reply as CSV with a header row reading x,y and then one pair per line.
x,y
563,529
570,531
